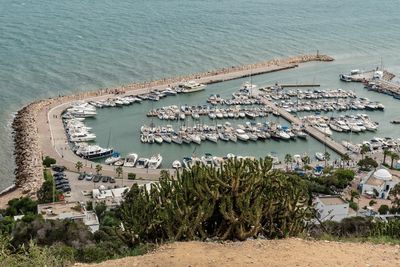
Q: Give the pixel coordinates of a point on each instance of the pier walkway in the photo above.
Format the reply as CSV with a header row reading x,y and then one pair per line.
x,y
326,140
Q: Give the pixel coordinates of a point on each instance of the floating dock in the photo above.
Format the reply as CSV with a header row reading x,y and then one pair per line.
x,y
326,140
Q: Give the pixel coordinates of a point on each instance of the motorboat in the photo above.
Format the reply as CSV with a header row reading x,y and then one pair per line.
x,y
207,159
155,162
241,135
176,164
323,128
142,163
192,86
94,152
114,158
320,156
212,137
130,160
195,138
345,78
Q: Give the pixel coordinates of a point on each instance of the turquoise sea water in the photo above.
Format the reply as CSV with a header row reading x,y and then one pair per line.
x,y
58,47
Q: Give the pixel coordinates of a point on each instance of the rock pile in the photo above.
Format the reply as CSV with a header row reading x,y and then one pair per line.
x,y
28,159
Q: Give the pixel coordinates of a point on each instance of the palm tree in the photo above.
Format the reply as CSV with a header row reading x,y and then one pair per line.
x,y
327,157
306,160
346,158
78,166
393,157
386,153
288,159
119,171
98,169
364,150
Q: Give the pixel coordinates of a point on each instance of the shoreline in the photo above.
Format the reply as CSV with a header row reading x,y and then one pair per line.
x,y
32,125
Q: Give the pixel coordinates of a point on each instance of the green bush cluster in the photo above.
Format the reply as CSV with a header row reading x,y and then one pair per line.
x,y
239,200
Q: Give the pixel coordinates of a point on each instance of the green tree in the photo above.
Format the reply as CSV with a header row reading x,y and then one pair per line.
x,y
306,160
345,158
367,163
47,192
98,169
48,161
393,157
78,166
131,176
372,203
395,196
383,209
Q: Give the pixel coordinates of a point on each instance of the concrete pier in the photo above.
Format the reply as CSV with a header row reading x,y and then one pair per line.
x,y
326,140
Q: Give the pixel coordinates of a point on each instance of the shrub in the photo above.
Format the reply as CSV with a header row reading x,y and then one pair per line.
x,y
131,176
48,161
383,209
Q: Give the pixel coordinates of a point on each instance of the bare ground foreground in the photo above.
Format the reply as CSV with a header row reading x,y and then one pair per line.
x,y
288,252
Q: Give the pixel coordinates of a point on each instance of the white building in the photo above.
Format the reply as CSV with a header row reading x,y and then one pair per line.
x,y
378,183
110,197
333,208
73,211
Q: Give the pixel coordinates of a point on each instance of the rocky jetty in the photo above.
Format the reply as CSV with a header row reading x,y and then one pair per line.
x,y
27,152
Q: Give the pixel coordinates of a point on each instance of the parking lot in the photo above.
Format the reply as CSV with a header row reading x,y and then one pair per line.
x,y
78,187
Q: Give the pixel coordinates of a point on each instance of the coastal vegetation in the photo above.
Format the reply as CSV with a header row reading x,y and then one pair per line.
x,y
241,199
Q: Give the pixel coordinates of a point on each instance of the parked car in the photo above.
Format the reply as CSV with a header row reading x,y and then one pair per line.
x,y
58,168
89,177
59,174
105,179
112,180
97,178
81,176
66,188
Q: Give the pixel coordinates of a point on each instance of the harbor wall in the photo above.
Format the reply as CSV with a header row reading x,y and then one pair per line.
x,y
27,150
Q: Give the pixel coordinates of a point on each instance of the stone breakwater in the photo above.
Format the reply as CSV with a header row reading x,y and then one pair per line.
x,y
28,153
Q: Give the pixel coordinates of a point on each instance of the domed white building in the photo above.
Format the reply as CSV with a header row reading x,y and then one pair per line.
x,y
378,183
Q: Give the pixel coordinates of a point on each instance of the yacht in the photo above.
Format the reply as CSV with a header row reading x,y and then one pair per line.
x,y
130,160
142,163
82,137
195,138
192,86
345,78
323,128
155,162
94,152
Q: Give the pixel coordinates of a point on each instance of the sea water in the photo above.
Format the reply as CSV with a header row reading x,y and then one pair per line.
x,y
57,47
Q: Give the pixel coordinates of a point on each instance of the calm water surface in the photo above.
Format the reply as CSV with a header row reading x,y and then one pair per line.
x,y
59,47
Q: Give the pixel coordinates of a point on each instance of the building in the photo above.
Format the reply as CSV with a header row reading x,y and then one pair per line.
x,y
378,183
110,197
332,208
69,211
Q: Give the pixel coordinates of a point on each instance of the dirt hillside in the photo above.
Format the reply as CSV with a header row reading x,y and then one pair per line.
x,y
289,252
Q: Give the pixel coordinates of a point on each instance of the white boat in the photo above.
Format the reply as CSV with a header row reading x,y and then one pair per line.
x,y
94,152
195,138
320,156
284,135
212,137
192,86
155,162
207,159
158,139
343,126
111,160
130,160
142,163
176,164
335,127
82,137
345,78
323,128
241,135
